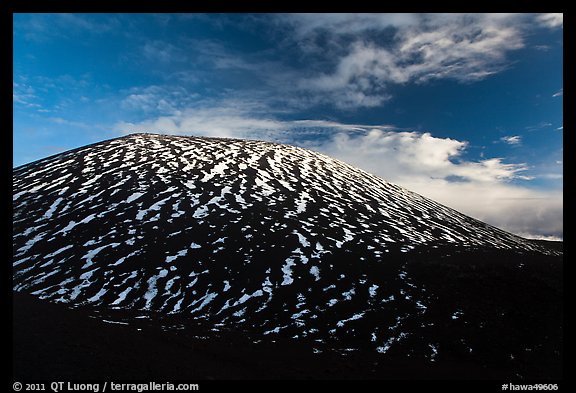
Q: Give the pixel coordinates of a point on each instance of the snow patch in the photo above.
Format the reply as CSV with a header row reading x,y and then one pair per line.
x,y
134,196
287,270
315,272
53,207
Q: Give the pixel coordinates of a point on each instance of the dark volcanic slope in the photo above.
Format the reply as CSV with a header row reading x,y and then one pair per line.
x,y
271,239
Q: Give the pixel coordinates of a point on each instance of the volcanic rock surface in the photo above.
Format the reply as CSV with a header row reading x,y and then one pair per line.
x,y
279,241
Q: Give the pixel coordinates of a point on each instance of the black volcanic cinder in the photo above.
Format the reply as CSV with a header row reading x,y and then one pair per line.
x,y
280,241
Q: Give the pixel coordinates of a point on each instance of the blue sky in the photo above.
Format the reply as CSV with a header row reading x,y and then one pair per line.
x,y
463,108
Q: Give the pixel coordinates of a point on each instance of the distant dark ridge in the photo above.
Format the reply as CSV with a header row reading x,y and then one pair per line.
x,y
557,245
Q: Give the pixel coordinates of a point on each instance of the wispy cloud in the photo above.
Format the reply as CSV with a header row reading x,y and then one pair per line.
x,y
44,27
157,99
163,52
512,139
539,126
353,60
25,95
72,123
420,48
559,93
554,176
551,20
233,118
219,56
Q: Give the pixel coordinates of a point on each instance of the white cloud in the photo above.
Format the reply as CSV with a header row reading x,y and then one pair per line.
x,y
551,20
405,156
464,47
512,139
229,119
559,93
517,209
353,59
434,167
232,118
